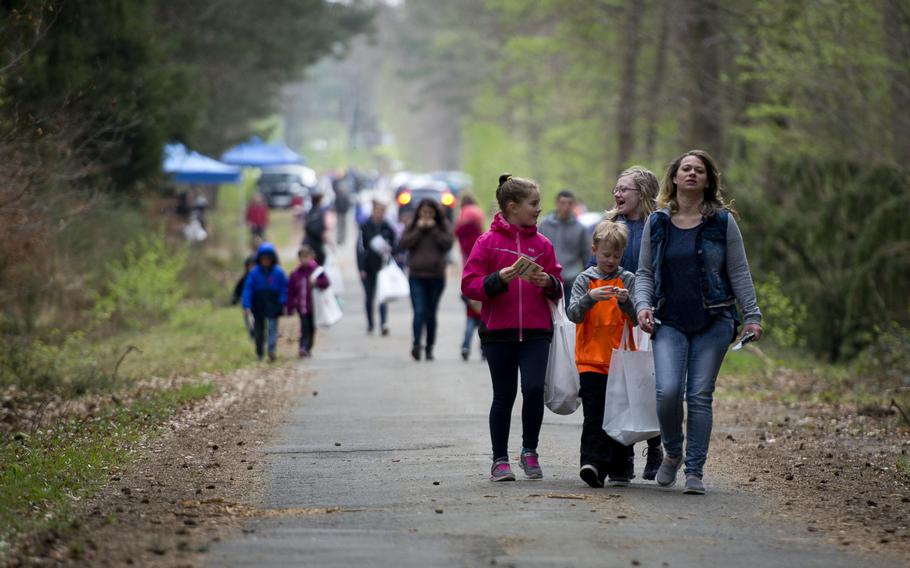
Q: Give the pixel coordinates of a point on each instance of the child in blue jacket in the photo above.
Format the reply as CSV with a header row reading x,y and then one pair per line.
x,y
264,295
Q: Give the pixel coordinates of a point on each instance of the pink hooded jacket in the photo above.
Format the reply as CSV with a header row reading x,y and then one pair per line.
x,y
519,305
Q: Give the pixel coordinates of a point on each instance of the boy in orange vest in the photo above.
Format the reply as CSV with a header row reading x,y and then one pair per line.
x,y
601,307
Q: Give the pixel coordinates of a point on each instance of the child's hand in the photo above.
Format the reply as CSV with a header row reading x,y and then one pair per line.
x,y
540,279
508,274
622,295
603,293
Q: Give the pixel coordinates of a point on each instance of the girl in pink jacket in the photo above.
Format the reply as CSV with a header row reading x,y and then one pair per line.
x,y
516,314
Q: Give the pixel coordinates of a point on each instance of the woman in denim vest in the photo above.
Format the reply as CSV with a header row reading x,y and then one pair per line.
x,y
692,272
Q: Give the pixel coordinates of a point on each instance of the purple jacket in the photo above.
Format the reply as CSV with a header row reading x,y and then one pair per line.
x,y
300,292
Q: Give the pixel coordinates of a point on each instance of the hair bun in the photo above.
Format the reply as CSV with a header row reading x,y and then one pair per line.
x,y
504,178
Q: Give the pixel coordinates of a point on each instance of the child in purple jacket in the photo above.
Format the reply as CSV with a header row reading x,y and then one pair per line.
x,y
300,296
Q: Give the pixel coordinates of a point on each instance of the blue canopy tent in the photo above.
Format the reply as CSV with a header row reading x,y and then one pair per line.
x,y
186,166
257,154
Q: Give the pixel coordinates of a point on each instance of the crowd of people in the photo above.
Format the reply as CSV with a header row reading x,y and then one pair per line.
x,y
664,270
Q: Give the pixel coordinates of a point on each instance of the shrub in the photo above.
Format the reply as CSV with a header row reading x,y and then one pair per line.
x,y
783,319
886,362
146,286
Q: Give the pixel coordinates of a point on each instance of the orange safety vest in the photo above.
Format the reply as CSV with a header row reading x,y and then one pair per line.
x,y
601,332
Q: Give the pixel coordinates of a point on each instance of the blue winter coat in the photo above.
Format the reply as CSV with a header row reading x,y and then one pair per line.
x,y
266,290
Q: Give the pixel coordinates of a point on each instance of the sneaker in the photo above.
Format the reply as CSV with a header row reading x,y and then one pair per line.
x,y
303,352
465,354
501,471
369,331
666,473
430,354
415,352
589,474
694,485
618,480
655,455
530,464
385,330
272,357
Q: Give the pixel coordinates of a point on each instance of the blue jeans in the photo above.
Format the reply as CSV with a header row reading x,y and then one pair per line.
x,y
470,329
265,330
425,295
687,364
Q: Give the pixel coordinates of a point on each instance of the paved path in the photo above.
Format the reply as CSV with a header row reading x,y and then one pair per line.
x,y
410,478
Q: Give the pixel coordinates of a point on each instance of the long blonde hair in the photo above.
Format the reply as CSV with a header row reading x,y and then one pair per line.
x,y
714,199
647,185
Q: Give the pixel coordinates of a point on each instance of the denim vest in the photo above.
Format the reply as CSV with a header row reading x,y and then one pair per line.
x,y
711,256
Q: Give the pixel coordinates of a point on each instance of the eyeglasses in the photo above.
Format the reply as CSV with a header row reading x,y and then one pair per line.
x,y
623,190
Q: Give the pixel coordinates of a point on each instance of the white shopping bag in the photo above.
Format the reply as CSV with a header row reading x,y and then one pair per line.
x,y
561,384
333,272
326,311
630,408
391,283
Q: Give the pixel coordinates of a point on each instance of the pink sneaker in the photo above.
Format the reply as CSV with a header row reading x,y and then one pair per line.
x,y
531,465
501,471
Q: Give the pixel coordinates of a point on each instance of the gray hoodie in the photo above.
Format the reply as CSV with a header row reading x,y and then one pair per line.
x,y
581,301
572,244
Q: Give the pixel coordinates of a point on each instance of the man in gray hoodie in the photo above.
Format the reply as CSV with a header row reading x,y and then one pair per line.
x,y
569,237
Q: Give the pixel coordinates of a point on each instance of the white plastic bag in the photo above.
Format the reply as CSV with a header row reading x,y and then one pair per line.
x,y
194,232
391,283
333,272
326,311
561,383
630,408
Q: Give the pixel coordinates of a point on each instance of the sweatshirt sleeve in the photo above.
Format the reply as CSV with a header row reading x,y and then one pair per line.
x,y
361,251
644,278
477,272
628,307
552,267
443,238
409,238
247,298
739,274
282,287
581,302
293,295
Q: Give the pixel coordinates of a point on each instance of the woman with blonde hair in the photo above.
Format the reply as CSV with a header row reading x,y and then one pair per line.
x,y
635,195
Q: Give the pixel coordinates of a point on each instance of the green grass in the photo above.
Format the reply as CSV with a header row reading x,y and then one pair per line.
x,y
200,337
903,466
44,474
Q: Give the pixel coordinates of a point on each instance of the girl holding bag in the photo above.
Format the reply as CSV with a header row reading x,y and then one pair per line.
x,y
693,271
516,313
601,309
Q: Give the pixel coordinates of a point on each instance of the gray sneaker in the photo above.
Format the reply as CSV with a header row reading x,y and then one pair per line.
x,y
694,485
666,474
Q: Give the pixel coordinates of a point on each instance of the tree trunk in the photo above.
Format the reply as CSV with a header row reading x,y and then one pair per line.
x,y
896,16
657,79
703,68
628,90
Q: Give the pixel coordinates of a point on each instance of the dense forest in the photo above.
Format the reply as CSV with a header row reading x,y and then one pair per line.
x,y
803,103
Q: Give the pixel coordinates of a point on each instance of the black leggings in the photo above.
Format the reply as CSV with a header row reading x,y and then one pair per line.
x,y
505,360
369,287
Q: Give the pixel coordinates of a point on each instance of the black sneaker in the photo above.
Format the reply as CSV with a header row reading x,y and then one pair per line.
x,y
415,352
589,474
655,456
618,480
465,354
385,330
430,354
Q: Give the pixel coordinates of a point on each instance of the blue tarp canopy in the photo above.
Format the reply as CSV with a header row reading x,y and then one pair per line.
x,y
186,166
256,153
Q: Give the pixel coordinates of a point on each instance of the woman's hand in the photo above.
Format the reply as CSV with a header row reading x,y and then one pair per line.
x,y
754,328
646,320
603,293
424,223
540,279
508,274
